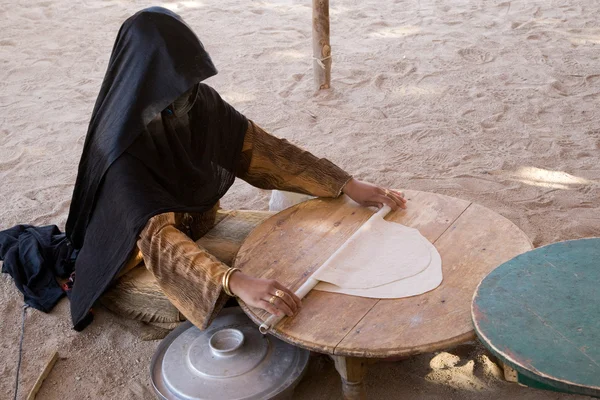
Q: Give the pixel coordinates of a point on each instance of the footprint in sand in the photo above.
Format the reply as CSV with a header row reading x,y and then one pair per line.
x,y
290,88
379,80
475,55
569,85
573,67
504,4
11,163
592,79
595,133
404,68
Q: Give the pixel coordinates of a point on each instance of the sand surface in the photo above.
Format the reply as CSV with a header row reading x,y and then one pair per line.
x,y
492,101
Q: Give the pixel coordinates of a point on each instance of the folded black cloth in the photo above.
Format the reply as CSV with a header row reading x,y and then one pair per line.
x,y
34,257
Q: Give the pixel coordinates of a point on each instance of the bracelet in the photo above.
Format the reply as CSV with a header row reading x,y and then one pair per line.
x,y
225,281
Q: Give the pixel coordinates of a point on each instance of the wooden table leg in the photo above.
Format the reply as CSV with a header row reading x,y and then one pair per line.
x,y
352,371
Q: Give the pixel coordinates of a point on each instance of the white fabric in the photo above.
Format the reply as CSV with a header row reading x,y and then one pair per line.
x,y
281,200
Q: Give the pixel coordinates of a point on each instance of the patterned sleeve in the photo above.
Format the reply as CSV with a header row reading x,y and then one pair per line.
x,y
188,275
268,162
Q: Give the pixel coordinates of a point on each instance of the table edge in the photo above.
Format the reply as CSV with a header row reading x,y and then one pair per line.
x,y
533,374
379,353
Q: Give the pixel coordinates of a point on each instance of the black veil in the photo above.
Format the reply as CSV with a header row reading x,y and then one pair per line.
x,y
140,160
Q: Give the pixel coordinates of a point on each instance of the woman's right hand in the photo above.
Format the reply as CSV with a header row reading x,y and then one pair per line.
x,y
257,292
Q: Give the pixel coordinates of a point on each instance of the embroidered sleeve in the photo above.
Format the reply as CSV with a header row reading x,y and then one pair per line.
x,y
188,275
269,162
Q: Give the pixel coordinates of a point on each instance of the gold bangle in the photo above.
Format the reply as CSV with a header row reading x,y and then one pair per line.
x,y
225,281
230,272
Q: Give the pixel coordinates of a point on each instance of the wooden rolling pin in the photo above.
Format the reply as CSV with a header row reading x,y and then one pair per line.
x,y
312,280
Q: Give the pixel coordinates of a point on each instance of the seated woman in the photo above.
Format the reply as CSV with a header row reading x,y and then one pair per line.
x,y
161,150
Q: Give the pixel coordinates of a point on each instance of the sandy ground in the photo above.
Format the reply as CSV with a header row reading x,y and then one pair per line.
x,y
493,101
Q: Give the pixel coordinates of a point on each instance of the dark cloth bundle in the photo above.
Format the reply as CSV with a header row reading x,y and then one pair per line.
x,y
34,257
142,158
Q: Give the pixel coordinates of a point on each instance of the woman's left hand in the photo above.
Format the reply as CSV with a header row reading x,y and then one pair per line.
x,y
367,194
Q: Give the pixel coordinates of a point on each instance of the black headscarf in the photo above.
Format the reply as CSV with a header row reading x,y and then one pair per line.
x,y
141,157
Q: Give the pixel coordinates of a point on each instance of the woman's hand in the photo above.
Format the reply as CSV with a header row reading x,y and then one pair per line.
x,y
258,293
368,195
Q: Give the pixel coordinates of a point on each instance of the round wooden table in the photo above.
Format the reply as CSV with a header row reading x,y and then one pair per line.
x,y
539,314
472,240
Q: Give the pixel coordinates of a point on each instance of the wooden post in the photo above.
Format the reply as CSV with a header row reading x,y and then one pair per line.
x,y
352,371
321,46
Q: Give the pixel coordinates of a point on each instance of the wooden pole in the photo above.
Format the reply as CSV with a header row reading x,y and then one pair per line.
x,y
321,46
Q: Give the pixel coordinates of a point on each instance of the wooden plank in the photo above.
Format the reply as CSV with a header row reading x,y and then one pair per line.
x,y
291,245
476,243
321,45
538,314
430,213
38,383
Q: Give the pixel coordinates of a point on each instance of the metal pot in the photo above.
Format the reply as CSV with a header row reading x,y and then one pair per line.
x,y
229,360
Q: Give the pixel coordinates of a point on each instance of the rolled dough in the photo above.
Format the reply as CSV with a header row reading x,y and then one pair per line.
x,y
382,260
423,282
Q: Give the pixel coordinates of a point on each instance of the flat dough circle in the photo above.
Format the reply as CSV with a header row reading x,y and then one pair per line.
x,y
423,282
382,260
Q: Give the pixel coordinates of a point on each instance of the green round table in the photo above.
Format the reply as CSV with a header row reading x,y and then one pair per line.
x,y
539,313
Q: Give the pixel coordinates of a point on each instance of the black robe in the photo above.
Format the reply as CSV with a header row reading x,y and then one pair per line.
x,y
140,160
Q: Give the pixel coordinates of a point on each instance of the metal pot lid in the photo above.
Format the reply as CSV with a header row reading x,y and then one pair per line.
x,y
229,360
